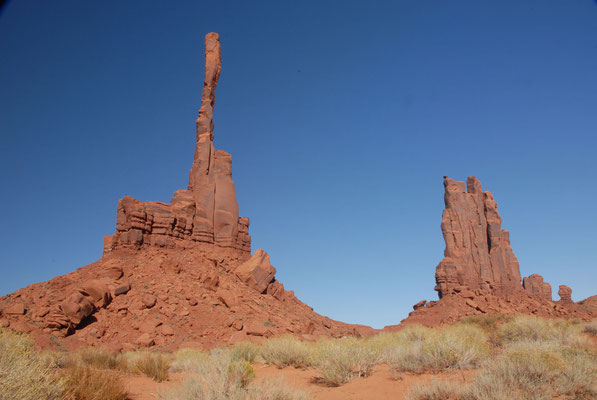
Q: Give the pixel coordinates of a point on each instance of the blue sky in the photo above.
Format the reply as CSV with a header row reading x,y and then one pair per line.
x,y
341,117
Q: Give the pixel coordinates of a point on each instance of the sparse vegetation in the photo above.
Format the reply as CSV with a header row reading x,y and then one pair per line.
x,y
99,358
419,349
87,383
149,363
517,357
287,351
220,377
24,373
246,351
591,328
524,328
341,360
191,360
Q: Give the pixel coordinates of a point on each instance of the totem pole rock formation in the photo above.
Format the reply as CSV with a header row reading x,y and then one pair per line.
x,y
207,210
172,275
534,285
478,253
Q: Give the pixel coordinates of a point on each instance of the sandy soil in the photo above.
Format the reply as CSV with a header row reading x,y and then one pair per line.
x,y
380,385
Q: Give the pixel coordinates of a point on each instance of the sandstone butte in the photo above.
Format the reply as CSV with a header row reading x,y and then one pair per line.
x,y
479,273
182,274
172,275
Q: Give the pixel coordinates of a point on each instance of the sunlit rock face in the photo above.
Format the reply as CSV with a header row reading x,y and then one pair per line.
x,y
478,254
205,212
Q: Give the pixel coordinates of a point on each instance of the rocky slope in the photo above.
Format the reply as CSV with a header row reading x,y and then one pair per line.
x,y
173,274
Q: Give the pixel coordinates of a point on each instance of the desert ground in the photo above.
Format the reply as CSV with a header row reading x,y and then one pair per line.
x,y
480,358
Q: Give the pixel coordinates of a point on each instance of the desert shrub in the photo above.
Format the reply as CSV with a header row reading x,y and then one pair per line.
x,y
537,371
241,373
86,383
436,390
341,360
456,347
216,378
287,351
191,360
591,328
524,328
274,390
99,358
149,363
24,373
246,351
487,322
199,387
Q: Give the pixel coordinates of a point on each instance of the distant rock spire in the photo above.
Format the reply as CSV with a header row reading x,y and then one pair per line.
x,y
478,253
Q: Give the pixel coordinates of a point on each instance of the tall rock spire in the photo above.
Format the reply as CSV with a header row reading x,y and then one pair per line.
x,y
207,210
478,253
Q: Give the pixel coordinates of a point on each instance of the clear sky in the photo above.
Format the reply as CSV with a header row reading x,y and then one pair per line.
x,y
342,117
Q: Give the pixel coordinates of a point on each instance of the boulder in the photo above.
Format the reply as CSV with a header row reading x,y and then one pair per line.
x,y
534,285
257,271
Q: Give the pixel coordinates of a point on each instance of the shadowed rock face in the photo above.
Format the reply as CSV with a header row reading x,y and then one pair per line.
x,y
478,253
207,210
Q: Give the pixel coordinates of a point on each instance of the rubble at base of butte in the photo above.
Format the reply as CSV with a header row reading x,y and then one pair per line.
x,y
480,273
173,275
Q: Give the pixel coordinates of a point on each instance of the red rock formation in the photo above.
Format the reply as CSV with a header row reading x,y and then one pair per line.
x,y
480,274
534,285
207,210
172,275
565,294
478,253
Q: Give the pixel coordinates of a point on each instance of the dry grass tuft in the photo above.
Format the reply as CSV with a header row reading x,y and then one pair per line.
x,y
524,328
149,363
487,322
287,351
190,360
241,373
246,351
26,374
87,383
341,360
220,377
99,358
418,349
591,328
436,390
